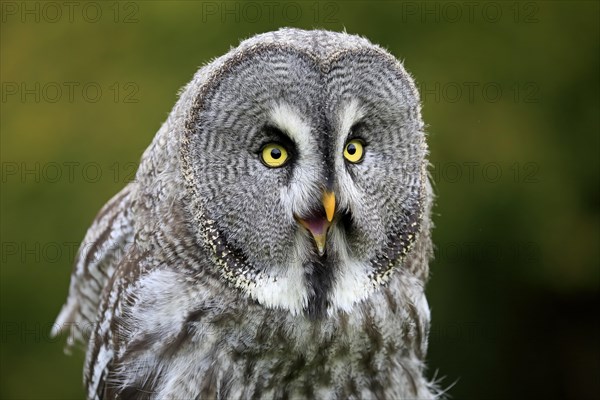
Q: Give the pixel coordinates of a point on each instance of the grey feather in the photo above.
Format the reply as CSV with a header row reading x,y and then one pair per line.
x,y
222,292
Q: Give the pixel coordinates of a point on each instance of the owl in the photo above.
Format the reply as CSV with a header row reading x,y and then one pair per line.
x,y
275,241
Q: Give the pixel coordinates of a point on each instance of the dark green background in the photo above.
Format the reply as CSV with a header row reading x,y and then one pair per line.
x,y
514,288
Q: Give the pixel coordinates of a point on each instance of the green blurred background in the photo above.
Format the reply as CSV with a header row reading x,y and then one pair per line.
x,y
511,98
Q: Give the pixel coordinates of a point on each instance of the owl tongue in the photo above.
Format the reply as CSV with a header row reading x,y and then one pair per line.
x,y
317,225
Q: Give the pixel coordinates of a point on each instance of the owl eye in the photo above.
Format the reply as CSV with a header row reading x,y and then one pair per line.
x,y
273,155
354,151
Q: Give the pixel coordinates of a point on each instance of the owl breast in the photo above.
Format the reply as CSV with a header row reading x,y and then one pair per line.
x,y
242,350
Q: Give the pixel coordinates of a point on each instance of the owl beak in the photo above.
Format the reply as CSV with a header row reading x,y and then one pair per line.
x,y
329,204
317,225
318,228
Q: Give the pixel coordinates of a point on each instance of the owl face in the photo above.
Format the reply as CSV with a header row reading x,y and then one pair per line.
x,y
307,174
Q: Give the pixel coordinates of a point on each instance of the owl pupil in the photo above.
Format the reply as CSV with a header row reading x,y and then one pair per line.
x,y
276,153
351,149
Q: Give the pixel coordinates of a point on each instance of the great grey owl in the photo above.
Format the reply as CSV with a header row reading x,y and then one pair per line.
x,y
276,239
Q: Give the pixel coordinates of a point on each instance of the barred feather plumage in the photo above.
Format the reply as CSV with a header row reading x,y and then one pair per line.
x,y
203,278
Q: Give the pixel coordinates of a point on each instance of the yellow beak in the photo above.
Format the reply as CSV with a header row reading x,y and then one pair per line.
x,y
318,227
329,204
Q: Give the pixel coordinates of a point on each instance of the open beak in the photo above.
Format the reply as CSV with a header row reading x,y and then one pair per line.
x,y
318,225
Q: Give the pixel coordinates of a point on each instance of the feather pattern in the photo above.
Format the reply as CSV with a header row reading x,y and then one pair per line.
x,y
197,281
101,250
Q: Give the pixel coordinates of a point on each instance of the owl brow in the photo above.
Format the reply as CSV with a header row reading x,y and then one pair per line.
x,y
354,132
273,133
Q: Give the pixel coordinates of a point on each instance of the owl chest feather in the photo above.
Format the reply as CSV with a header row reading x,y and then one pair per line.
x,y
239,349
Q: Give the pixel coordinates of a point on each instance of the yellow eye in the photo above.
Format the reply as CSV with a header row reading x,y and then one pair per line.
x,y
354,151
273,155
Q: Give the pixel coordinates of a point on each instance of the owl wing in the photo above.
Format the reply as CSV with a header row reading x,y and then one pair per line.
x,y
100,252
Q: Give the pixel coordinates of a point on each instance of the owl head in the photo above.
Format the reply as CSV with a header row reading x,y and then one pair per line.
x,y
303,159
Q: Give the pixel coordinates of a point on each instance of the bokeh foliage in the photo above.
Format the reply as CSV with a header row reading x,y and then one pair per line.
x,y
514,288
